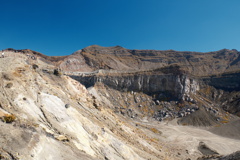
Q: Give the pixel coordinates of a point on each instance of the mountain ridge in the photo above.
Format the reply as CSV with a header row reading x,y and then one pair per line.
x,y
118,58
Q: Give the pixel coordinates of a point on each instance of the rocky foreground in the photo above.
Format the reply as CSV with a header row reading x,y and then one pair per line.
x,y
115,103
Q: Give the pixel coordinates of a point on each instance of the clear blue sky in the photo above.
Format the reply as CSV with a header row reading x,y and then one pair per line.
x,y
60,27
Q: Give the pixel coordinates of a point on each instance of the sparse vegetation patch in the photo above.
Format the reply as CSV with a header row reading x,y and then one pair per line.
x,y
8,118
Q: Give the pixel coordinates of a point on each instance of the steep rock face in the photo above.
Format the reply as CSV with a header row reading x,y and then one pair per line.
x,y
178,86
226,81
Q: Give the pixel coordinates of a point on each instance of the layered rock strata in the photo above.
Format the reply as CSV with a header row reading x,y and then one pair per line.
x,y
178,86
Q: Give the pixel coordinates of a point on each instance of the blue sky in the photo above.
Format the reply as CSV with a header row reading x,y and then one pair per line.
x,y
60,27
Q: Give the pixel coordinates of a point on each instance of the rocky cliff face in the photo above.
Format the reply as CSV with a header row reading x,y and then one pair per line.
x,y
219,69
226,81
177,86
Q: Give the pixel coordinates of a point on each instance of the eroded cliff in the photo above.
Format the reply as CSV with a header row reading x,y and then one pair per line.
x,y
177,86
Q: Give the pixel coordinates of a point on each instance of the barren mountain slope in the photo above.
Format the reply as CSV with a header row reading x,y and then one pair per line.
x,y
132,112
48,116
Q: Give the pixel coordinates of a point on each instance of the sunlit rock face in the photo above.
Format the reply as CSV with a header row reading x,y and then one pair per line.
x,y
178,86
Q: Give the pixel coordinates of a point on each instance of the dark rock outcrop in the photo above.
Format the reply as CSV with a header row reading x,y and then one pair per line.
x,y
226,81
233,156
